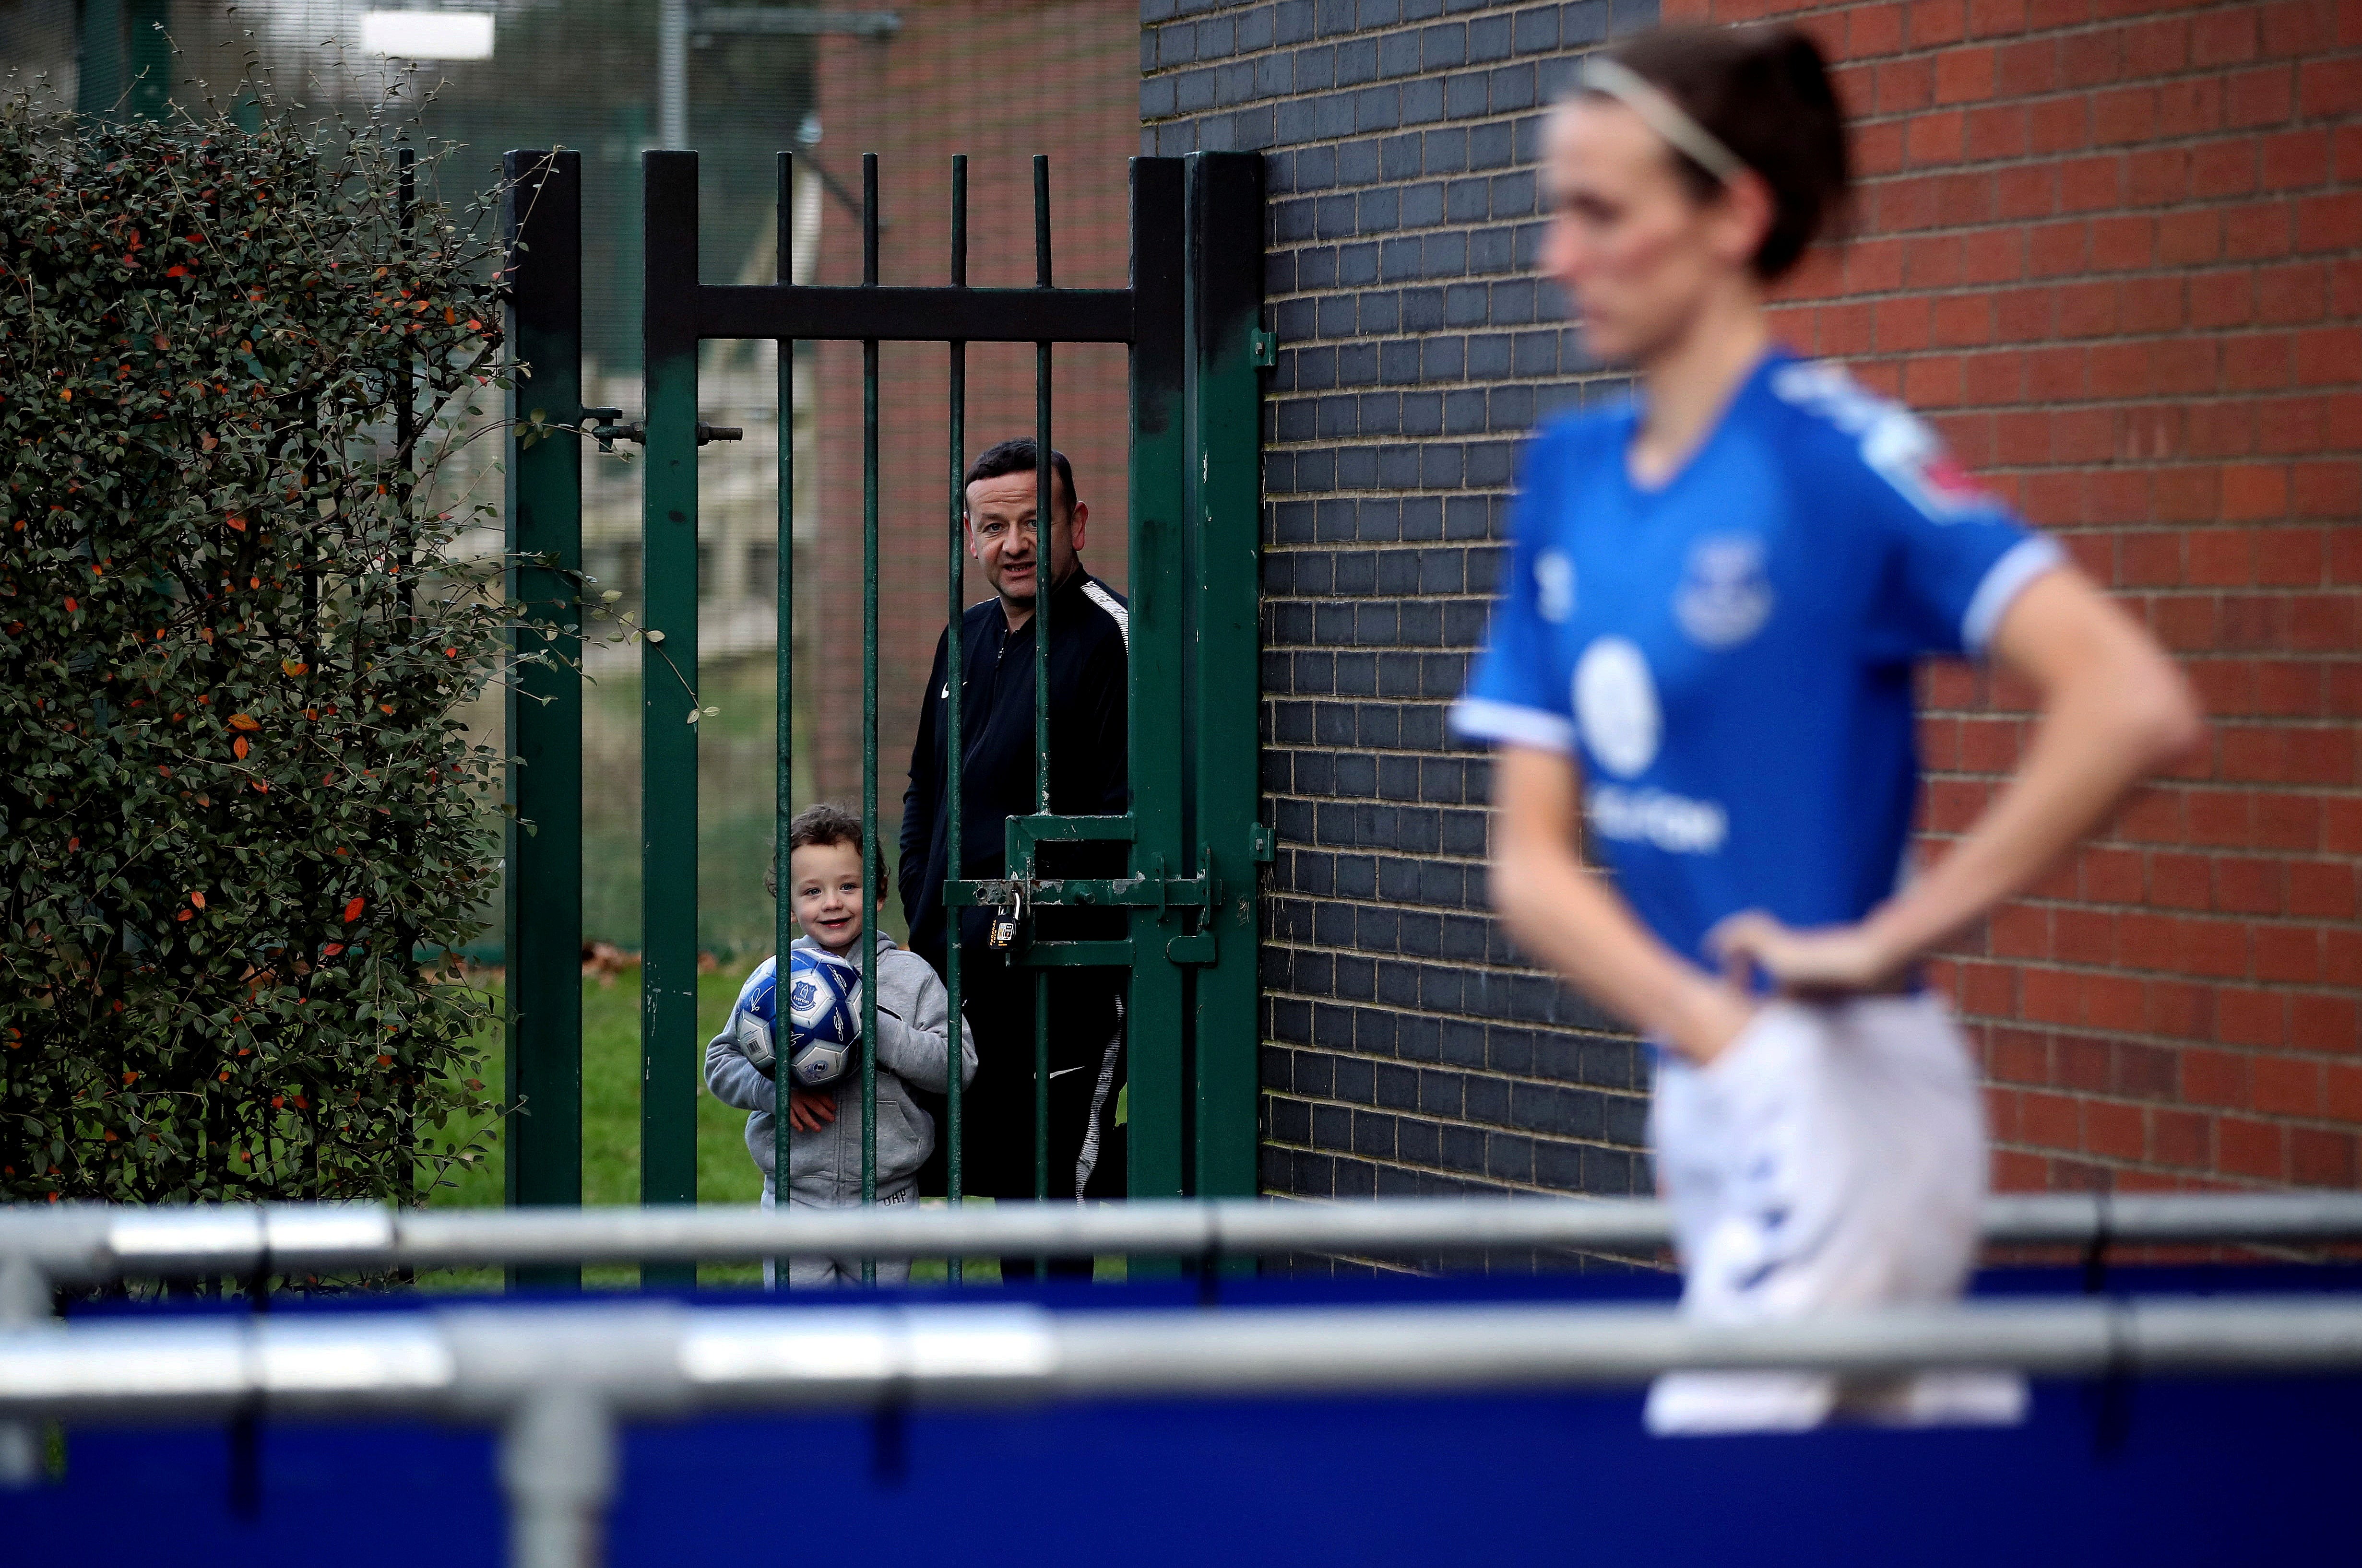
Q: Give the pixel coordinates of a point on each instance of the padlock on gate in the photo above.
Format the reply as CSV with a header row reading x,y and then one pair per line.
x,y
1002,935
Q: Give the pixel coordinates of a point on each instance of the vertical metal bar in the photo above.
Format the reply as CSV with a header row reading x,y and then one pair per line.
x,y
543,888
668,695
103,67
869,710
783,919
1225,303
1156,1043
1045,563
149,50
954,698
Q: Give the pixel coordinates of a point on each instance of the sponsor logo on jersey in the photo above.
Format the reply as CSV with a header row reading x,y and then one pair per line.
x,y
1674,822
1894,441
1554,585
1725,598
1615,703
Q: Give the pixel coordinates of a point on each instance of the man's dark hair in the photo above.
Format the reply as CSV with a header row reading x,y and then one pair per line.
x,y
1765,92
1017,457
824,824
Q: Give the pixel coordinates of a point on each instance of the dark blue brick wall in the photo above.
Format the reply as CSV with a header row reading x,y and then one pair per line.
x,y
1407,1047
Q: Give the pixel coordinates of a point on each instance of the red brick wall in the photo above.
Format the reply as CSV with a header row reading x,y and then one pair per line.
x,y
2113,248
1001,83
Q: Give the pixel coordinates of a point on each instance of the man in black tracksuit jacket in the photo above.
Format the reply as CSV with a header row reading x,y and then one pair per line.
x,y
1088,629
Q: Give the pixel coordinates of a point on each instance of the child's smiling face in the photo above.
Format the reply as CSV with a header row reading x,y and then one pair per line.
x,y
825,886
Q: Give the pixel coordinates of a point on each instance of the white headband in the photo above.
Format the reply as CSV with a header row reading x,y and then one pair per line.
x,y
1662,115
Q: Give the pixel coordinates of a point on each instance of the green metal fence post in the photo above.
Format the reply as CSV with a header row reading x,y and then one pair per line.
x,y
1224,469
870,855
542,220
668,695
148,49
1154,1043
954,698
783,927
1045,563
102,68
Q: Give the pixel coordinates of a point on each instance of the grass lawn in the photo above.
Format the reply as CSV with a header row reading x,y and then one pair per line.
x,y
611,1136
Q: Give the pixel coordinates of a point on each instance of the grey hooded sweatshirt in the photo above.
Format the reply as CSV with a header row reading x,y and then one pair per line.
x,y
824,1167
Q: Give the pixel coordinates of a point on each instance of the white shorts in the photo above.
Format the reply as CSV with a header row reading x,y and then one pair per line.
x,y
1833,1157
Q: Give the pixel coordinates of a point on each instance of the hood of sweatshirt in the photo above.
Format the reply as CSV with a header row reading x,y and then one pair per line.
x,y
852,955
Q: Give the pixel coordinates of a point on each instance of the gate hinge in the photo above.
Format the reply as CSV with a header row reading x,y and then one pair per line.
x,y
1259,844
1262,347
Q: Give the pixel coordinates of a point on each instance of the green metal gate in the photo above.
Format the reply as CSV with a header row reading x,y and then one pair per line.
x,y
1190,317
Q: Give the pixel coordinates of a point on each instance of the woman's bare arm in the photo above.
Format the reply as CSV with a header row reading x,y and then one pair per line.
x,y
2113,707
1568,919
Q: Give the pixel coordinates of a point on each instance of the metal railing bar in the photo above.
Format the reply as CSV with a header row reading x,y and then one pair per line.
x,y
482,1364
845,311
80,1244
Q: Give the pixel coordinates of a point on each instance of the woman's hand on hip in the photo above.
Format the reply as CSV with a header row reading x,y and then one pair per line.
x,y
1826,960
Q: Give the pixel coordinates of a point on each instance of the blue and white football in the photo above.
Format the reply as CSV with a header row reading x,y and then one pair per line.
x,y
823,1015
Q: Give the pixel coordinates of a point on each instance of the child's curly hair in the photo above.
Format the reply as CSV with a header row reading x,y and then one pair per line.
x,y
826,824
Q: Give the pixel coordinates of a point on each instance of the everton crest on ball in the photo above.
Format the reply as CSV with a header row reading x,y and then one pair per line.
x,y
823,1015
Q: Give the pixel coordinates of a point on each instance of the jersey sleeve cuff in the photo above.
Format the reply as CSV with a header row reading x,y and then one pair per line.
x,y
2004,581
1485,719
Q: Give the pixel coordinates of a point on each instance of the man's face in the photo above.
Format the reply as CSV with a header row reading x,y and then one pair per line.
x,y
1002,537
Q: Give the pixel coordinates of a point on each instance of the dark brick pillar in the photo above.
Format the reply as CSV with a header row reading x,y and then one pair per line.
x,y
1407,1046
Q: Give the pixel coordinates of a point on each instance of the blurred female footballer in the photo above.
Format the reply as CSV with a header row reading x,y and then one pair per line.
x,y
1706,643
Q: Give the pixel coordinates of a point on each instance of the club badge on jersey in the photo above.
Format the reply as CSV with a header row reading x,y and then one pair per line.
x,y
824,1016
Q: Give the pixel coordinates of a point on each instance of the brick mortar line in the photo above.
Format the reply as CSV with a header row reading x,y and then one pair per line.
x,y
1490,1075
1891,356
2115,1099
2335,990
2077,529
1439,1121
2078,905
1455,966
2081,906
1404,1163
2077,404
2095,27
2198,786
2074,967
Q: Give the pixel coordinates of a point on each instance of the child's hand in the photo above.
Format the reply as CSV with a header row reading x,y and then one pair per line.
x,y
809,1110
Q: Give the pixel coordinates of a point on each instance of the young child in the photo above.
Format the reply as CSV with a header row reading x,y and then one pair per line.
x,y
824,886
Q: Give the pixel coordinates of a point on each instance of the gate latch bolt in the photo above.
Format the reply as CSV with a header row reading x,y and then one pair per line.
x,y
605,426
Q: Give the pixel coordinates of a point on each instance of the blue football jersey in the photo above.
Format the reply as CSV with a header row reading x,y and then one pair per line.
x,y
1730,655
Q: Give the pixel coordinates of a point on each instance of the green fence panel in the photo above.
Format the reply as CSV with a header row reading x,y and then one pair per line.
x,y
1190,318
1224,410
668,694
542,222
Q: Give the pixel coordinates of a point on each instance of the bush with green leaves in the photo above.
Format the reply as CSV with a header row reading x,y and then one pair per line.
x,y
236,804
